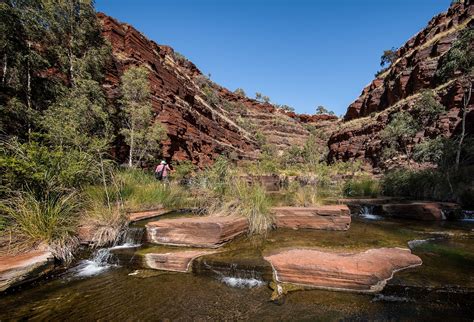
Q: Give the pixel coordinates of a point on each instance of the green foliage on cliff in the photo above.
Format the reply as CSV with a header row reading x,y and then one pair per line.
x,y
240,92
459,58
427,108
388,57
401,127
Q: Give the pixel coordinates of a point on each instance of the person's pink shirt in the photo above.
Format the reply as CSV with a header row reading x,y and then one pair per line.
x,y
160,167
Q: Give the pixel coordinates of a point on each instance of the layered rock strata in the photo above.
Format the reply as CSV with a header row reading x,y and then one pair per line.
x,y
208,231
18,269
398,89
177,261
202,119
367,271
332,217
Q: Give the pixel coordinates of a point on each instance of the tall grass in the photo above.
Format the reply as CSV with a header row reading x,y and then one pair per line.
x,y
140,191
249,201
363,186
434,184
254,204
306,196
51,219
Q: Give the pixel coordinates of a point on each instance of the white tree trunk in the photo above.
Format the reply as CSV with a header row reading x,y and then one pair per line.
x,y
130,155
5,62
467,98
28,84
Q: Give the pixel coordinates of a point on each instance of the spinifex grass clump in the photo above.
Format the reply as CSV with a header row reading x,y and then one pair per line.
x,y
50,218
254,204
104,212
306,196
249,201
219,191
363,186
140,190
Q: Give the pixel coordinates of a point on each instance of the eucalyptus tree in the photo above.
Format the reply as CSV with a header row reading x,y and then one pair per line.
x,y
142,133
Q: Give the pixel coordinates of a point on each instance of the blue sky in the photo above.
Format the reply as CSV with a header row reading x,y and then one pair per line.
x,y
301,53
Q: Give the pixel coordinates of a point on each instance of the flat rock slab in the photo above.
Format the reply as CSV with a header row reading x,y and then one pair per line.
x,y
179,261
22,268
420,210
367,271
332,217
140,215
209,231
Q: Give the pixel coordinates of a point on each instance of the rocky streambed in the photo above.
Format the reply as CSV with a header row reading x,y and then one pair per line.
x,y
182,267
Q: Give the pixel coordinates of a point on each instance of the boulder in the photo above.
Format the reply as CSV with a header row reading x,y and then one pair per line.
x,y
209,231
25,267
367,271
178,261
331,217
420,210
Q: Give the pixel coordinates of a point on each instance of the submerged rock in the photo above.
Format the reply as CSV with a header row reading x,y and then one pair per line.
x,y
26,267
361,272
210,231
178,261
332,217
421,210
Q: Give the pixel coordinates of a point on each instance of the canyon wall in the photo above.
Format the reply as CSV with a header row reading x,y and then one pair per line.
x,y
202,122
399,87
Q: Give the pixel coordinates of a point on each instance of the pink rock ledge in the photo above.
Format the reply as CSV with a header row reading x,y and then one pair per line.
x,y
365,272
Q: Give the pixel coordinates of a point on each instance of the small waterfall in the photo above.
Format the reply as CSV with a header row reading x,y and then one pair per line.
x,y
102,259
367,212
236,277
131,237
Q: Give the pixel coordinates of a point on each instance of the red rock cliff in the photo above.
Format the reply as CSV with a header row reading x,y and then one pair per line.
x,y
398,87
199,128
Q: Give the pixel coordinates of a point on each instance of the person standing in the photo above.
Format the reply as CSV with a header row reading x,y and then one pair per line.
x,y
162,171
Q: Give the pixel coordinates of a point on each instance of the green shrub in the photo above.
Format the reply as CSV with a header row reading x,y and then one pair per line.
x,y
51,219
431,150
240,92
211,96
459,57
260,138
401,127
424,184
184,169
215,178
38,168
427,107
361,187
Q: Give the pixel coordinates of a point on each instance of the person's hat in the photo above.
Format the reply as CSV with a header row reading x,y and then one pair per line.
x,y
163,162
